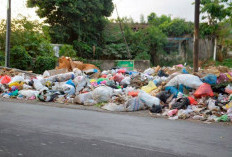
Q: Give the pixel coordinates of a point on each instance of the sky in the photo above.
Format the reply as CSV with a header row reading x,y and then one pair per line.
x,y
126,8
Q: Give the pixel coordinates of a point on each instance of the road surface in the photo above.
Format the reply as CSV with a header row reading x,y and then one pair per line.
x,y
38,131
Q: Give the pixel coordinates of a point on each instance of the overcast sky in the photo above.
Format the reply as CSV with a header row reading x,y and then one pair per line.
x,y
130,8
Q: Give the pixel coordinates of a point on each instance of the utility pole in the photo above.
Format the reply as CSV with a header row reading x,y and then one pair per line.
x,y
196,36
8,31
123,35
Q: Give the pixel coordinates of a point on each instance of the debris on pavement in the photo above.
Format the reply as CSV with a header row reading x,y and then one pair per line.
x,y
174,92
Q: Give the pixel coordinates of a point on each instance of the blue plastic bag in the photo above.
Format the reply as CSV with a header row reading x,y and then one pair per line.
x,y
210,79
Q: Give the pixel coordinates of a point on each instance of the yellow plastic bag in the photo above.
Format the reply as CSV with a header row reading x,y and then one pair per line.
x,y
150,87
16,84
228,105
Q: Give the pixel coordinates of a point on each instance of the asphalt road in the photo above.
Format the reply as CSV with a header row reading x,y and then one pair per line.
x,y
43,131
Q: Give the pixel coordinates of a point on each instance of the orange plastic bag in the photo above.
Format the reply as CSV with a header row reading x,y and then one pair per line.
x,y
204,90
5,79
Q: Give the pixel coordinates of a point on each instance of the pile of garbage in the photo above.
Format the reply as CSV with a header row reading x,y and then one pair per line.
x,y
174,92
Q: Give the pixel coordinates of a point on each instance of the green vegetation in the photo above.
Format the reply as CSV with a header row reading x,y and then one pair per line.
x,y
43,63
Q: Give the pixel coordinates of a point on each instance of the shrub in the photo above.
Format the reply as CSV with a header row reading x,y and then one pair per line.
x,y
43,63
19,58
67,50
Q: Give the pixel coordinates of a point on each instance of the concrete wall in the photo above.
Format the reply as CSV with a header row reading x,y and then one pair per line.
x,y
109,64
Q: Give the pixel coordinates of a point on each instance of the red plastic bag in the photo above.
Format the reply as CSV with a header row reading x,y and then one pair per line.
x,y
192,100
5,79
133,93
121,71
118,77
204,90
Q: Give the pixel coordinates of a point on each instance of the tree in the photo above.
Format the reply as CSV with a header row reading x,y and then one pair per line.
x,y
176,27
29,34
142,19
74,20
218,14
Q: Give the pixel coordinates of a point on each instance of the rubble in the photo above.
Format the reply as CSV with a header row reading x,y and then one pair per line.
x,y
174,92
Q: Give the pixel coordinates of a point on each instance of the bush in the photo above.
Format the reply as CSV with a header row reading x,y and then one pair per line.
x,y
19,58
143,56
67,50
43,63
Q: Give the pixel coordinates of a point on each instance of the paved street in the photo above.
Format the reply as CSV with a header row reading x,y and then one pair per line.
x,y
37,131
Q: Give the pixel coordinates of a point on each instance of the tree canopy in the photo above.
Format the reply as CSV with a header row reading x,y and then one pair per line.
x,y
74,20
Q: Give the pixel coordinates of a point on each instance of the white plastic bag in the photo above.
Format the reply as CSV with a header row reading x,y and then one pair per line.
x,y
134,104
29,93
17,78
102,94
68,89
211,105
126,81
114,107
186,80
82,98
38,85
149,71
148,100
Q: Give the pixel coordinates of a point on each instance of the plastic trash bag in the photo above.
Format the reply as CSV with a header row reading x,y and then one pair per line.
x,y
172,90
223,118
187,80
25,86
149,71
163,95
126,81
61,77
148,100
228,89
211,105
181,103
156,109
184,71
47,95
85,98
5,79
17,79
224,77
102,94
204,90
114,107
118,77
29,93
150,87
84,82
38,85
134,104
210,79
68,89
